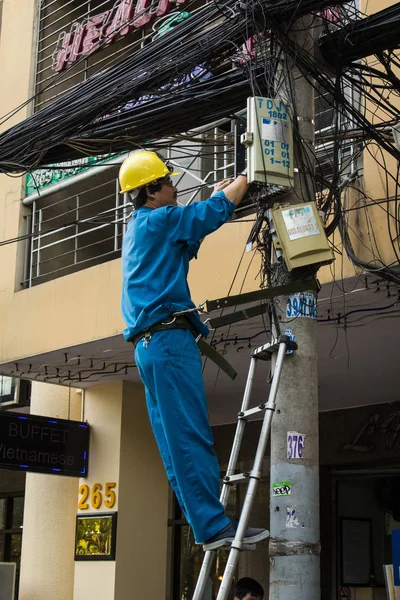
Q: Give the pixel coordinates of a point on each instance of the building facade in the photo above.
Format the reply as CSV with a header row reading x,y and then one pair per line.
x,y
61,330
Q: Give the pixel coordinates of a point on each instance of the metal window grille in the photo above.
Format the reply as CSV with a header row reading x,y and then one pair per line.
x,y
349,158
325,121
57,19
83,225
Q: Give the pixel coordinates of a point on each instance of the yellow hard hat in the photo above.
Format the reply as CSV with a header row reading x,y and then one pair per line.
x,y
142,168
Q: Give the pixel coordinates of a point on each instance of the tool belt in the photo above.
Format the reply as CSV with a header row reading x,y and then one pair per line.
x,y
181,322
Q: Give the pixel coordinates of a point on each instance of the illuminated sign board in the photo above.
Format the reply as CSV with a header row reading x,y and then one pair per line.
x,y
86,37
43,444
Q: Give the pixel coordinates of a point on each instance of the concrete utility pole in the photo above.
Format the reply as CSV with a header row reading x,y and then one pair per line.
x,y
294,545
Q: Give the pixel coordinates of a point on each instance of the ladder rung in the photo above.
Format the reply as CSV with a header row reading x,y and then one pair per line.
x,y
251,411
245,547
265,352
232,479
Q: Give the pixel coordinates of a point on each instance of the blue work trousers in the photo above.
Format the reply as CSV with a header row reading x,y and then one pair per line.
x,y
170,368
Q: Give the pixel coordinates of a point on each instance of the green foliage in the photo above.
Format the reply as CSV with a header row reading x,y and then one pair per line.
x,y
94,536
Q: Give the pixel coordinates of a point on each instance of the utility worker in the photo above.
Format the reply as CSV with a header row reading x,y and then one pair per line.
x,y
160,240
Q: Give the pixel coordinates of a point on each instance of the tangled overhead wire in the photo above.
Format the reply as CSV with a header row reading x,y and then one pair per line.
x,y
198,73
358,104
68,127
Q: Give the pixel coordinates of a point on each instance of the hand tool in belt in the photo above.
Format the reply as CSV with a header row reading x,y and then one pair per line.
x,y
180,322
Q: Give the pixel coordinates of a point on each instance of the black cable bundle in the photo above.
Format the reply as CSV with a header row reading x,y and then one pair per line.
x,y
378,32
169,114
208,38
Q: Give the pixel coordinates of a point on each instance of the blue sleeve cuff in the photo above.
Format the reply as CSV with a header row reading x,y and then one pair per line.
x,y
231,205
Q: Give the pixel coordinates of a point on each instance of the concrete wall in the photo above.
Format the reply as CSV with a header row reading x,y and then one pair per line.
x,y
141,566
47,561
102,409
122,451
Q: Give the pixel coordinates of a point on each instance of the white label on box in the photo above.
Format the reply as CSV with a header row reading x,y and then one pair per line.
x,y
300,222
274,129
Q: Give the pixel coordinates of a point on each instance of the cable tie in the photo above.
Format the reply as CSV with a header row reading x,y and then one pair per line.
x,y
306,120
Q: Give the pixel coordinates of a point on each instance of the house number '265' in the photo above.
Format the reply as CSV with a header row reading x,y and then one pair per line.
x,y
97,496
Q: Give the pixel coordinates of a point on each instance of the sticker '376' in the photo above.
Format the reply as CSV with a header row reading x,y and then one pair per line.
x,y
295,444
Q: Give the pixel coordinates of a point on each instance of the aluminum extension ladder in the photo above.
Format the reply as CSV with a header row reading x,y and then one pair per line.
x,y
280,345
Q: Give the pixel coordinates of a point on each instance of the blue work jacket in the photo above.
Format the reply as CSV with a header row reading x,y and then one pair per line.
x,y
157,247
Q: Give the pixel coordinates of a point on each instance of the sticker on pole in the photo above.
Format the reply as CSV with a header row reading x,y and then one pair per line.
x,y
281,488
292,337
302,304
295,444
292,522
300,222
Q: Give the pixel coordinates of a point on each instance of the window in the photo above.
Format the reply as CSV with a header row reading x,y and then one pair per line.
x,y
327,120
186,557
11,520
14,392
349,158
82,224
75,228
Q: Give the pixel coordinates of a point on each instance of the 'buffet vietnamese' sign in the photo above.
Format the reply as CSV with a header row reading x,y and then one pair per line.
x,y
43,444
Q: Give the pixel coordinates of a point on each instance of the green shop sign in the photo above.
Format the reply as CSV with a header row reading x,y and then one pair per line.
x,y
44,178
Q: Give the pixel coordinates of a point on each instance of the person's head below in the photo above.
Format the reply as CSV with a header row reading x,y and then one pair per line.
x,y
248,589
147,180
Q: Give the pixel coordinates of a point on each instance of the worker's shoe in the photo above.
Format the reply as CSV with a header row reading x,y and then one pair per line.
x,y
226,536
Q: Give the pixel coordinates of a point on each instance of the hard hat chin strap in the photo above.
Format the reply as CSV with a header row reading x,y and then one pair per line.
x,y
134,194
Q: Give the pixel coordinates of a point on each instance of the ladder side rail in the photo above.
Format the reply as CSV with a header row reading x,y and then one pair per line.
x,y
240,427
237,544
204,574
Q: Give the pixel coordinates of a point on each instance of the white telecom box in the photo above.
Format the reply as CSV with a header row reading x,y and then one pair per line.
x,y
269,141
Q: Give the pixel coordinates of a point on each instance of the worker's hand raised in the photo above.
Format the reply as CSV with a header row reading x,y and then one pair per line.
x,y
220,185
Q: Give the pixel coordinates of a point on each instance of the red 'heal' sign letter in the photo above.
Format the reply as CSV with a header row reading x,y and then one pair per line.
x,y
142,14
122,20
62,54
92,31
